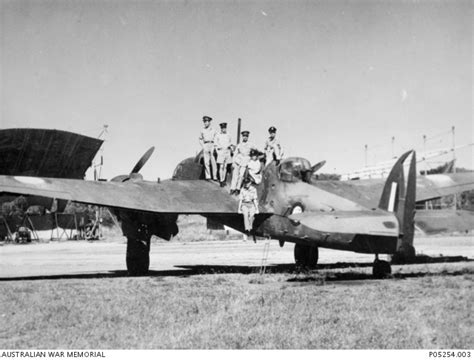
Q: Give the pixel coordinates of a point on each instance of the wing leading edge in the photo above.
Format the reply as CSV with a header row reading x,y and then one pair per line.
x,y
169,196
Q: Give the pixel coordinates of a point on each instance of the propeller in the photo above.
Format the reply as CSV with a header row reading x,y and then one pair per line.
x,y
318,166
134,175
143,160
307,175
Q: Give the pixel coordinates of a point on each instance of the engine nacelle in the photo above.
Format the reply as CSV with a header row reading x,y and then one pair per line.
x,y
161,225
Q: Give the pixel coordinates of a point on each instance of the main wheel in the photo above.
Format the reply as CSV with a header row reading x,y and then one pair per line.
x,y
138,257
381,269
306,256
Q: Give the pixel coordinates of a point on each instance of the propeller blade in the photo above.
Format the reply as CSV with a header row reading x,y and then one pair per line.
x,y
318,166
143,160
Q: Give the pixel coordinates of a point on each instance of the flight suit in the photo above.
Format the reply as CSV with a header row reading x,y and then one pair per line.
x,y
206,139
223,144
272,150
241,159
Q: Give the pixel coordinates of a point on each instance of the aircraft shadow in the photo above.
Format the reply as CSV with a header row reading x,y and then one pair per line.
x,y
301,275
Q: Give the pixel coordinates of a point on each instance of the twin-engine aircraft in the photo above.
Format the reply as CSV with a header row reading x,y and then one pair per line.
x,y
360,216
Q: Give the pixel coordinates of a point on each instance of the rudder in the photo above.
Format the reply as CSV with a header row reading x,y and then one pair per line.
x,y
399,197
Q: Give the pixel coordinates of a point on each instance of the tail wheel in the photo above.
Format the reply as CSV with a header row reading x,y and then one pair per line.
x,y
381,269
138,257
306,256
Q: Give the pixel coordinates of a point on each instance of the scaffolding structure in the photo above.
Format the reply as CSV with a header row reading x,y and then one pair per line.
x,y
61,226
426,158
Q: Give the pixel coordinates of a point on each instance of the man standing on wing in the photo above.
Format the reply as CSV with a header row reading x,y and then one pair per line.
x,y
223,144
272,147
241,159
206,139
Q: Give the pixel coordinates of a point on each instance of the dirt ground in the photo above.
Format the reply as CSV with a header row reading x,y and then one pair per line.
x,y
105,257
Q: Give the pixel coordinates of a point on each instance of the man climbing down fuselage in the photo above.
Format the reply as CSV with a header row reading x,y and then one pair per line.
x,y
248,205
254,167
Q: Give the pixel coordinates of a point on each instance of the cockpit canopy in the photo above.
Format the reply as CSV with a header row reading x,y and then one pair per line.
x,y
295,169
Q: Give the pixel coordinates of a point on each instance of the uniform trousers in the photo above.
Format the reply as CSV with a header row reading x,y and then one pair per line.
x,y
209,160
238,172
248,211
271,155
223,158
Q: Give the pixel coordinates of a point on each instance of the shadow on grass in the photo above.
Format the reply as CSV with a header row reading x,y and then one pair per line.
x,y
301,275
354,278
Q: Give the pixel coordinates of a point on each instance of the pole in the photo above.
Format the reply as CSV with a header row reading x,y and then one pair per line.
x,y
103,132
393,145
239,123
99,217
424,153
453,129
365,155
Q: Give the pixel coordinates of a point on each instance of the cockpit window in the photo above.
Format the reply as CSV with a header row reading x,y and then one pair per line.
x,y
294,169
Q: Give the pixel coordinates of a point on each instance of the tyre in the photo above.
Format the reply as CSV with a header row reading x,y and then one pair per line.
x,y
381,269
138,257
306,256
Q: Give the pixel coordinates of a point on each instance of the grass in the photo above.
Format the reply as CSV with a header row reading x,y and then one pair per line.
x,y
236,311
430,307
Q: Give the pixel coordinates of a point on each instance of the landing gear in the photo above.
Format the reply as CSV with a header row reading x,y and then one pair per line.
x,y
138,256
405,255
381,268
138,248
306,256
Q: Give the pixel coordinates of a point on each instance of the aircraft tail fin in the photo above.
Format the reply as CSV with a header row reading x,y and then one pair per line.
x,y
399,197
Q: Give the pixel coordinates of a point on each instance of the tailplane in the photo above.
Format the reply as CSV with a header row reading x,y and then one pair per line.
x,y
399,197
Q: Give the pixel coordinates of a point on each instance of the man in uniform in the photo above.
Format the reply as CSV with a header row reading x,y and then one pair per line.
x,y
272,147
241,159
206,139
223,145
254,167
248,206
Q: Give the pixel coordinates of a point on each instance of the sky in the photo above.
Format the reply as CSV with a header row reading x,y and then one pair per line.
x,y
331,76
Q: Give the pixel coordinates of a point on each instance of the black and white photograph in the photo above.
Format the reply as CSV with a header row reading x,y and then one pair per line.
x,y
236,175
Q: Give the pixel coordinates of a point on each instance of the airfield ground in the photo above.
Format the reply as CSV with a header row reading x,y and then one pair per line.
x,y
209,294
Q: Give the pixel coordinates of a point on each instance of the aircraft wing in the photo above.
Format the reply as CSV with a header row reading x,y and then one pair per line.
x,y
169,196
435,186
368,192
445,220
